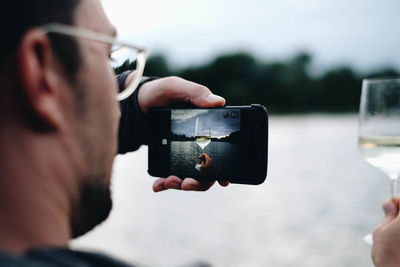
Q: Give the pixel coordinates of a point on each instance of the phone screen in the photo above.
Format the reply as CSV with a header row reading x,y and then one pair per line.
x,y
228,143
205,142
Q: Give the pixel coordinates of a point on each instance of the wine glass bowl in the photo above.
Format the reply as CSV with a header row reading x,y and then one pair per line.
x,y
202,132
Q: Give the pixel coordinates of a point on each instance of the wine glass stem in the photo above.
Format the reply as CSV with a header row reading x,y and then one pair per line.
x,y
393,187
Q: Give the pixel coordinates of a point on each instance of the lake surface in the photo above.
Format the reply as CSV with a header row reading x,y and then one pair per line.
x,y
318,201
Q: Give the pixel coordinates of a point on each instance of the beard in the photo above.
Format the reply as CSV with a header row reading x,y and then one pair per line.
x,y
94,207
94,204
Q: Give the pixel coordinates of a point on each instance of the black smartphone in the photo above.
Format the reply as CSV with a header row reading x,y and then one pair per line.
x,y
226,143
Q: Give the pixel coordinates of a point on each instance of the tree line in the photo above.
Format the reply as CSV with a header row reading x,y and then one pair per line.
x,y
281,86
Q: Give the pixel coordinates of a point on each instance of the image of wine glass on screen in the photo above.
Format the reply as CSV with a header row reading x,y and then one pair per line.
x,y
202,132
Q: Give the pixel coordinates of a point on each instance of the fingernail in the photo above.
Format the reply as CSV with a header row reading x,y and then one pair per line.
x,y
215,98
174,185
388,208
190,187
159,188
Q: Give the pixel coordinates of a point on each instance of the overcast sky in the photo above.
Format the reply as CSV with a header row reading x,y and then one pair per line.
x,y
361,33
217,125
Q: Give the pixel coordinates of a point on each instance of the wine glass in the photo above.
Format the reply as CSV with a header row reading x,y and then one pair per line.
x,y
202,132
379,128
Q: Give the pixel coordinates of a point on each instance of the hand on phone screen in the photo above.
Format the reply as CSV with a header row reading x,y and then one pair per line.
x,y
205,165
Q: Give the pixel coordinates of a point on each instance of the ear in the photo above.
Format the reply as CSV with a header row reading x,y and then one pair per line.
x,y
39,79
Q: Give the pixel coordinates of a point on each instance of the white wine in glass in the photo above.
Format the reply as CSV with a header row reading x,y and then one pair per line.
x,y
379,128
382,153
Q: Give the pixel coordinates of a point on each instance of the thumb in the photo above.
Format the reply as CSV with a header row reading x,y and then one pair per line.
x,y
207,100
178,90
391,208
173,90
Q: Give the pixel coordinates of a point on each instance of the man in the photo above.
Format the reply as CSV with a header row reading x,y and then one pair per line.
x,y
59,127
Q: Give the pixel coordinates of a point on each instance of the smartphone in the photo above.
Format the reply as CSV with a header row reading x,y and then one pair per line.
x,y
226,143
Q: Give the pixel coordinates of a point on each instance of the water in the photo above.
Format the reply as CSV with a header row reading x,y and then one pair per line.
x,y
225,157
319,200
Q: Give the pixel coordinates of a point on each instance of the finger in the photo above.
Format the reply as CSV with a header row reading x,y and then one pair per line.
x,y
190,184
171,182
223,183
172,90
390,207
180,90
158,185
391,210
206,101
396,204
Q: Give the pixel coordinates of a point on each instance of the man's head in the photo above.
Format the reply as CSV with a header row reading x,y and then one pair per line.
x,y
62,89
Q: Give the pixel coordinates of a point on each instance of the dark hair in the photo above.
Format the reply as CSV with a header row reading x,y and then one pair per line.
x,y
18,16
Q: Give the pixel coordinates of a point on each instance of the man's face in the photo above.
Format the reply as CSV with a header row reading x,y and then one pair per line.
x,y
97,120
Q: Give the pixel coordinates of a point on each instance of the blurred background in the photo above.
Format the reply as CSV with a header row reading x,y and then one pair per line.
x,y
303,60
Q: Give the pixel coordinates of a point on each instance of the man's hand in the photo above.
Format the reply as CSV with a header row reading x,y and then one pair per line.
x,y
174,90
385,249
188,184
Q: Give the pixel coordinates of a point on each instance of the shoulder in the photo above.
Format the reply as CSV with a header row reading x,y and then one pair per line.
x,y
59,257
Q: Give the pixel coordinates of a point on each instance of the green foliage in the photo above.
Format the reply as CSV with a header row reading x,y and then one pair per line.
x,y
157,65
285,86
127,65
